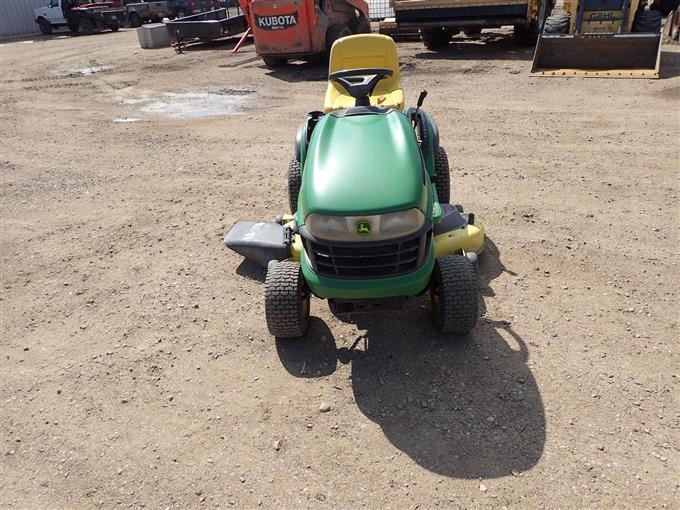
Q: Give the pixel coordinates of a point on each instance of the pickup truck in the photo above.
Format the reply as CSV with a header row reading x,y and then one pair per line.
x,y
182,8
79,15
139,12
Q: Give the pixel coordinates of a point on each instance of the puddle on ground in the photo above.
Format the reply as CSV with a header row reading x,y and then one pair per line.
x,y
189,105
86,71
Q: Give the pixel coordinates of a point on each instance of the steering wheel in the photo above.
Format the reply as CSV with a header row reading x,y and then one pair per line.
x,y
360,83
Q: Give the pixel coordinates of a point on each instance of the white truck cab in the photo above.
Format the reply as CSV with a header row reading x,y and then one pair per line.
x,y
53,13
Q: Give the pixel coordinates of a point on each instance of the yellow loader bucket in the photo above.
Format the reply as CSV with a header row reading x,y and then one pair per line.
x,y
634,55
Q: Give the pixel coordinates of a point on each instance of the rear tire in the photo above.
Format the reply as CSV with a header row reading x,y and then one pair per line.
x,y
273,62
74,26
294,184
334,33
359,25
442,176
435,38
87,26
45,26
286,300
557,23
647,21
454,293
135,20
114,27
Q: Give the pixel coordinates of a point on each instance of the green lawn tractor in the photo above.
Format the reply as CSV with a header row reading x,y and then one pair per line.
x,y
371,223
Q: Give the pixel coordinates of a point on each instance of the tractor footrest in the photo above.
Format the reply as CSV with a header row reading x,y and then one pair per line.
x,y
353,306
259,241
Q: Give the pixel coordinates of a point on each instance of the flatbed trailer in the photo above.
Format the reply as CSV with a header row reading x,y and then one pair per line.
x,y
206,26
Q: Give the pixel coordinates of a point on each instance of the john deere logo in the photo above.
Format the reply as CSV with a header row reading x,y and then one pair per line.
x,y
363,228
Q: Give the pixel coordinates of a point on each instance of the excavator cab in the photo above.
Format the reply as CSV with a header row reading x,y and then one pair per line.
x,y
365,51
600,38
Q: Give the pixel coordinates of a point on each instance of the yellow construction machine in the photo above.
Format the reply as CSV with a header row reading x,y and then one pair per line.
x,y
600,38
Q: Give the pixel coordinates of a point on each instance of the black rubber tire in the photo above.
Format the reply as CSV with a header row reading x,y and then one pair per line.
x,y
45,26
647,21
180,13
442,176
557,23
274,62
135,20
526,35
74,26
434,38
87,26
359,25
286,300
454,293
294,184
472,32
335,32
114,27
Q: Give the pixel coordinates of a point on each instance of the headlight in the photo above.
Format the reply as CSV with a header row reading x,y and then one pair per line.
x,y
370,228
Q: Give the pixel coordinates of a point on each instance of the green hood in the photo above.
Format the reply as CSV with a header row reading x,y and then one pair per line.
x,y
363,164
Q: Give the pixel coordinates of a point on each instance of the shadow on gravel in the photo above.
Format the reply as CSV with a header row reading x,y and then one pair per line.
x,y
466,409
489,46
296,71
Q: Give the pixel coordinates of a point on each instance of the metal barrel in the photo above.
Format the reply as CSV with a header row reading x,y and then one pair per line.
x,y
598,55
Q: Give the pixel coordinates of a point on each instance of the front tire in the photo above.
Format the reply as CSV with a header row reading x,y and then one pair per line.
x,y
435,38
286,300
557,23
454,294
442,176
45,26
294,184
180,13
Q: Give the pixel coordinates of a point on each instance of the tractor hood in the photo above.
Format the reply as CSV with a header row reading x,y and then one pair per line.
x,y
363,163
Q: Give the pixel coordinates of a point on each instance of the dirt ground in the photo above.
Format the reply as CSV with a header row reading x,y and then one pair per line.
x,y
136,367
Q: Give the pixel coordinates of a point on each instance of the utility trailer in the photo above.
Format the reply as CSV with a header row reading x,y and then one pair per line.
x,y
439,20
206,26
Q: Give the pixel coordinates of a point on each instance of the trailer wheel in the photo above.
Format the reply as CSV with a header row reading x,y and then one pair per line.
x,y
557,23
115,26
294,183
286,300
454,294
45,26
434,38
74,26
135,20
359,25
87,26
274,61
442,176
335,32
647,21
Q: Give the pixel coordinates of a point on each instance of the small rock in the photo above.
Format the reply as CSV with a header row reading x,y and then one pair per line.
x,y
324,407
119,471
482,487
277,445
600,447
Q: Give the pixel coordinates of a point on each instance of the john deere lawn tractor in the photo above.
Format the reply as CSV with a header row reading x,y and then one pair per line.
x,y
371,223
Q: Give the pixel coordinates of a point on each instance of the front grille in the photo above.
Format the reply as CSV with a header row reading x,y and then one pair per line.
x,y
367,259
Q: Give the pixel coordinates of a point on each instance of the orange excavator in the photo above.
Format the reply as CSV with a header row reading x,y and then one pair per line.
x,y
302,29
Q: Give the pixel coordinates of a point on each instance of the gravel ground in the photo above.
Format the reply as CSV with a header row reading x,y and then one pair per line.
x,y
136,367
